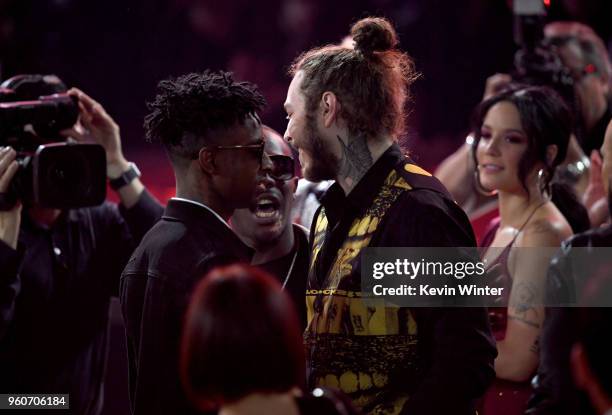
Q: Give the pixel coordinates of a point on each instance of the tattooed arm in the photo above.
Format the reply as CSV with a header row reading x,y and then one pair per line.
x,y
518,352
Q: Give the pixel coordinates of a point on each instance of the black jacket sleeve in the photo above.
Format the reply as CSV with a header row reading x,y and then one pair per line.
x,y
142,216
555,391
117,231
10,284
456,343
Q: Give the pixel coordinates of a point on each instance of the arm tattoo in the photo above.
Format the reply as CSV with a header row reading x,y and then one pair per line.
x,y
524,320
524,305
355,160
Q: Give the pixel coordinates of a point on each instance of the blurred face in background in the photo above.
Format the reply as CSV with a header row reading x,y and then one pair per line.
x,y
269,213
589,86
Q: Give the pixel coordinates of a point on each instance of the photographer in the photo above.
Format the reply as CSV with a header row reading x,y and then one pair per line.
x,y
59,269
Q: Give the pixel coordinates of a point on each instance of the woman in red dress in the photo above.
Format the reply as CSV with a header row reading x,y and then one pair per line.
x,y
521,136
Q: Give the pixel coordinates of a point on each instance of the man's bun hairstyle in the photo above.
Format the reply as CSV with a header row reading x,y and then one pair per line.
x,y
374,34
371,80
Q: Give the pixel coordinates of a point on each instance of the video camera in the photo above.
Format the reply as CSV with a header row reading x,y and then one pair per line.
x,y
53,172
537,61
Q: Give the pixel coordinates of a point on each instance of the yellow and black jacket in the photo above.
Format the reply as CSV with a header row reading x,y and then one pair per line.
x,y
391,360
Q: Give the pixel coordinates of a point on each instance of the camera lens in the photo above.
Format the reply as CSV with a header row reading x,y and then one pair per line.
x,y
70,175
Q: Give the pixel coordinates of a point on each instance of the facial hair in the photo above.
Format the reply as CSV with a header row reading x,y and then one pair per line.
x,y
324,165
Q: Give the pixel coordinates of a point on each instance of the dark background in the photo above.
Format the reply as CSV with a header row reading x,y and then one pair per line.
x,y
117,50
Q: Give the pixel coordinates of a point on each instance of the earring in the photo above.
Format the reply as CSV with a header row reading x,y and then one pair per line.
x,y
479,187
544,184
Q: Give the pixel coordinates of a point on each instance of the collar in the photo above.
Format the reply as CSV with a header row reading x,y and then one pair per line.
x,y
335,202
205,207
198,216
300,230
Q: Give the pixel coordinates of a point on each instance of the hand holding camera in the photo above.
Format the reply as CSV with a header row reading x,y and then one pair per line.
x,y
10,219
96,126
52,173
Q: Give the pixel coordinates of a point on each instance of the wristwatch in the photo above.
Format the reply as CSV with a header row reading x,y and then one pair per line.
x,y
126,177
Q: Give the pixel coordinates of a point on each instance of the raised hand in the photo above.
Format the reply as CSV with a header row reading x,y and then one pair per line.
x,y
10,220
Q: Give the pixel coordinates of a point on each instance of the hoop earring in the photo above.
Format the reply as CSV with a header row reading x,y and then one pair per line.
x,y
543,186
480,188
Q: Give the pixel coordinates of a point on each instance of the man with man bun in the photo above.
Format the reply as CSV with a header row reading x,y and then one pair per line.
x,y
345,109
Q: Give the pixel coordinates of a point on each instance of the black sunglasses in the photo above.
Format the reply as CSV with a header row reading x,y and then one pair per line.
x,y
283,167
256,149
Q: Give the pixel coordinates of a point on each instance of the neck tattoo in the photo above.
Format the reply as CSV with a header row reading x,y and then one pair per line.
x,y
355,160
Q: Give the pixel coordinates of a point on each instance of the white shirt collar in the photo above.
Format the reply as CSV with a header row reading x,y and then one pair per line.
x,y
205,207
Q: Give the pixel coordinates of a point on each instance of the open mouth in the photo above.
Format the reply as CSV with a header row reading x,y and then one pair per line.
x,y
266,208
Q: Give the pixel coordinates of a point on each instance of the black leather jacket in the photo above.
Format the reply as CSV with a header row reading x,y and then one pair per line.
x,y
156,286
554,391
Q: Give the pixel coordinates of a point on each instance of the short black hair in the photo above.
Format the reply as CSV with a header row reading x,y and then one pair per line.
x,y
187,108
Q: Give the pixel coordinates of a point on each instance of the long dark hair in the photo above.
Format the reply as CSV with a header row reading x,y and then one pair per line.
x,y
546,120
241,336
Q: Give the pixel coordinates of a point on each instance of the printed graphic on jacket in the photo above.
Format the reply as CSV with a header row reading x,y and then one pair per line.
x,y
367,350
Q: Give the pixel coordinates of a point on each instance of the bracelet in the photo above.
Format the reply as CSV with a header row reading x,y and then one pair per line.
x,y
573,171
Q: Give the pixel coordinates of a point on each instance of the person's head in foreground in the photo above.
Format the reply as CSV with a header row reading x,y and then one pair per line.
x,y
346,105
241,340
209,126
268,218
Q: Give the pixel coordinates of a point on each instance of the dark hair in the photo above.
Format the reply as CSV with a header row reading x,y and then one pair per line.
x,y
241,336
186,109
370,80
546,120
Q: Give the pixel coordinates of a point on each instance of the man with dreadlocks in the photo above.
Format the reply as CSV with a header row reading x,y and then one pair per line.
x,y
209,127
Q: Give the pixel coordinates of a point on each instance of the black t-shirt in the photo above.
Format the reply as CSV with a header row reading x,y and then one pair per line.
x,y
54,298
295,261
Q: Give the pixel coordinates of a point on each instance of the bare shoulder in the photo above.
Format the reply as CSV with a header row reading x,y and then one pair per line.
x,y
548,228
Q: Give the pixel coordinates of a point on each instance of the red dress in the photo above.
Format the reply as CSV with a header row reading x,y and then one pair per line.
x,y
503,397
